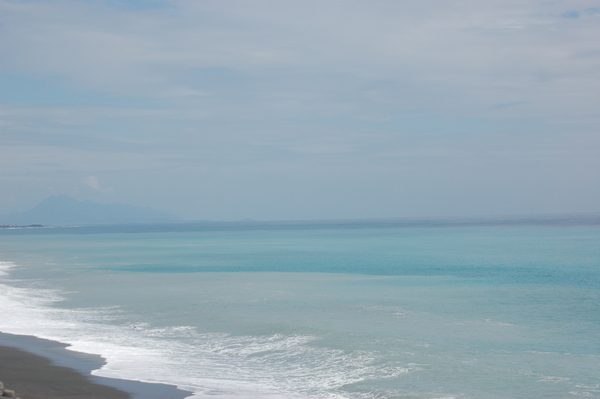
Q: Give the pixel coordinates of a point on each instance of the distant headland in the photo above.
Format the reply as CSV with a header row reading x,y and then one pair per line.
x,y
16,226
62,210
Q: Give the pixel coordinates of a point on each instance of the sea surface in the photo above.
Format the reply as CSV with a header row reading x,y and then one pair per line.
x,y
319,310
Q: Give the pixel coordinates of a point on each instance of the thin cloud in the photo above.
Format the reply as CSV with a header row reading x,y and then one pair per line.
x,y
93,182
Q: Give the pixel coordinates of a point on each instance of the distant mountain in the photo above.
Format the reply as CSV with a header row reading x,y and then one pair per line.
x,y
63,210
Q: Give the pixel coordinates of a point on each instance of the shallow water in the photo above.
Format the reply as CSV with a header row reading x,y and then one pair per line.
x,y
319,311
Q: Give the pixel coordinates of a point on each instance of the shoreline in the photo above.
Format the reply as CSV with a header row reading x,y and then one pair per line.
x,y
45,369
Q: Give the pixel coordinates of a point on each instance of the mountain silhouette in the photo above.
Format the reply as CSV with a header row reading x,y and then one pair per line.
x,y
63,210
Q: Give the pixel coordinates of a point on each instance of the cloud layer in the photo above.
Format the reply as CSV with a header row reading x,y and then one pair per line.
x,y
312,109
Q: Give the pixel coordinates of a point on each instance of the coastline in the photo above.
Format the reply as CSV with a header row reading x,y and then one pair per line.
x,y
40,368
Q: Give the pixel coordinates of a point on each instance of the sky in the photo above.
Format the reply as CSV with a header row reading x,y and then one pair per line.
x,y
295,110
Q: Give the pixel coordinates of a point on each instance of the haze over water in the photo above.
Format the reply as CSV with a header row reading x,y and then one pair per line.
x,y
321,310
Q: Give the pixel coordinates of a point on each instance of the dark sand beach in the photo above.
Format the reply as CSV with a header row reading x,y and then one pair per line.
x,y
42,369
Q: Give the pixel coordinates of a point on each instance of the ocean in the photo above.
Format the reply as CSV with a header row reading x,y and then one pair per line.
x,y
355,310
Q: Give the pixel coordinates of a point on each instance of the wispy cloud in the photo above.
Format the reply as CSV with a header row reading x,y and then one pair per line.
x,y
93,182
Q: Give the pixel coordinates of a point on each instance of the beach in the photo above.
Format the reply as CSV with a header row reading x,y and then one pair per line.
x,y
42,369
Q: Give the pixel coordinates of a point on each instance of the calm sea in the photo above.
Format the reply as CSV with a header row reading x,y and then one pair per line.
x,y
324,310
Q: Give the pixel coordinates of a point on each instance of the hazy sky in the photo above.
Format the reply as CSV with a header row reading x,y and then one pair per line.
x,y
273,110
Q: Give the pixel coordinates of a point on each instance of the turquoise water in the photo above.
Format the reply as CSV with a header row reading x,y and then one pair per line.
x,y
319,311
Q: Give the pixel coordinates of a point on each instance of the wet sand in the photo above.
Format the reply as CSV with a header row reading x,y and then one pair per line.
x,y
41,369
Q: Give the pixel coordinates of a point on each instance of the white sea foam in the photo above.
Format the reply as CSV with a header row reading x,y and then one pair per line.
x,y
5,267
223,365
